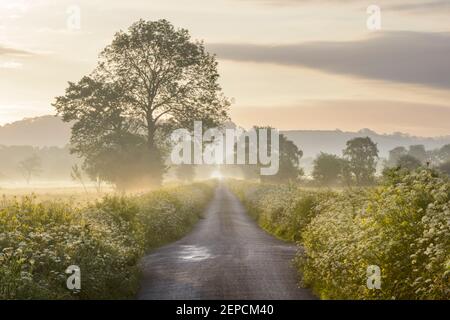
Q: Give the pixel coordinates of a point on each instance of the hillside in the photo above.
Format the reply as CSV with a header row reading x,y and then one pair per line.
x,y
42,131
51,131
314,141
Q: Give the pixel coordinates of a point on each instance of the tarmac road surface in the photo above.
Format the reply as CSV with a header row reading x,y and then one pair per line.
x,y
226,257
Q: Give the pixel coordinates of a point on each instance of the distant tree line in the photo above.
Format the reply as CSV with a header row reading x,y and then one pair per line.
x,y
154,78
358,164
416,156
26,163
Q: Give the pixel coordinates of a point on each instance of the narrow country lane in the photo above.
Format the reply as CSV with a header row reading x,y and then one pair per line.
x,y
226,256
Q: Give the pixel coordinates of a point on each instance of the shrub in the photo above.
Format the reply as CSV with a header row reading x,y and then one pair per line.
x,y
38,241
283,210
402,226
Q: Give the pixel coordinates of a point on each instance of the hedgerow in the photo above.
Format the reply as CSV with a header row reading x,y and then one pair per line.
x,y
283,210
39,240
401,226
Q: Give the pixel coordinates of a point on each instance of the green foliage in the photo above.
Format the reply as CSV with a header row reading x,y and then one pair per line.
x,y
39,240
408,162
435,157
445,168
288,156
361,154
149,80
418,151
395,155
444,153
284,209
328,169
402,226
289,162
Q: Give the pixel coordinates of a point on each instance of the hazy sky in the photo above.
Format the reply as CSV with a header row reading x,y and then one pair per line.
x,y
294,64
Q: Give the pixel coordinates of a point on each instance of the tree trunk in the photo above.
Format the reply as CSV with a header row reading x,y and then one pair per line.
x,y
156,164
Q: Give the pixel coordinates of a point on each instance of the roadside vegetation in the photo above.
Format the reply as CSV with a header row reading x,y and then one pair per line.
x,y
153,79
39,239
402,225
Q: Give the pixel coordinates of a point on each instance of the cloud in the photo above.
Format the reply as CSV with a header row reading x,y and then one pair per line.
x,y
7,51
302,2
405,57
421,6
402,4
380,115
11,65
407,6
293,2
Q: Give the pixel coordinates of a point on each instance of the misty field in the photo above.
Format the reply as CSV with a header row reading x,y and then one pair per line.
x,y
40,236
402,226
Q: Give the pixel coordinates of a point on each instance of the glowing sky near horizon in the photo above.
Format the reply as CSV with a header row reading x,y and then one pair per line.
x,y
289,88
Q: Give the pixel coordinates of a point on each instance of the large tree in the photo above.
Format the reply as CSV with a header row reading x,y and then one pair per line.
x,y
149,80
289,156
362,154
328,169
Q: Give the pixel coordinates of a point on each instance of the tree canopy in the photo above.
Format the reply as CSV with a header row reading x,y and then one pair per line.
x,y
418,151
408,162
289,162
362,154
445,167
148,81
327,169
395,154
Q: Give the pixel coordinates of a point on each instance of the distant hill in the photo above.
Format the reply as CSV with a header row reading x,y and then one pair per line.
x,y
39,132
51,131
312,142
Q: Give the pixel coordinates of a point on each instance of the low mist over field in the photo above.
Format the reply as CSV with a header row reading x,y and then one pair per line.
x,y
49,137
225,150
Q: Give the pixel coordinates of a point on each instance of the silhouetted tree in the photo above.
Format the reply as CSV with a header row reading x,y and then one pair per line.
x,y
445,167
289,161
327,169
444,153
31,166
408,162
362,154
418,151
77,175
347,176
149,81
395,154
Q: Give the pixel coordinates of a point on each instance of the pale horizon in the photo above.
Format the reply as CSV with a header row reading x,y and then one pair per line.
x,y
294,65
